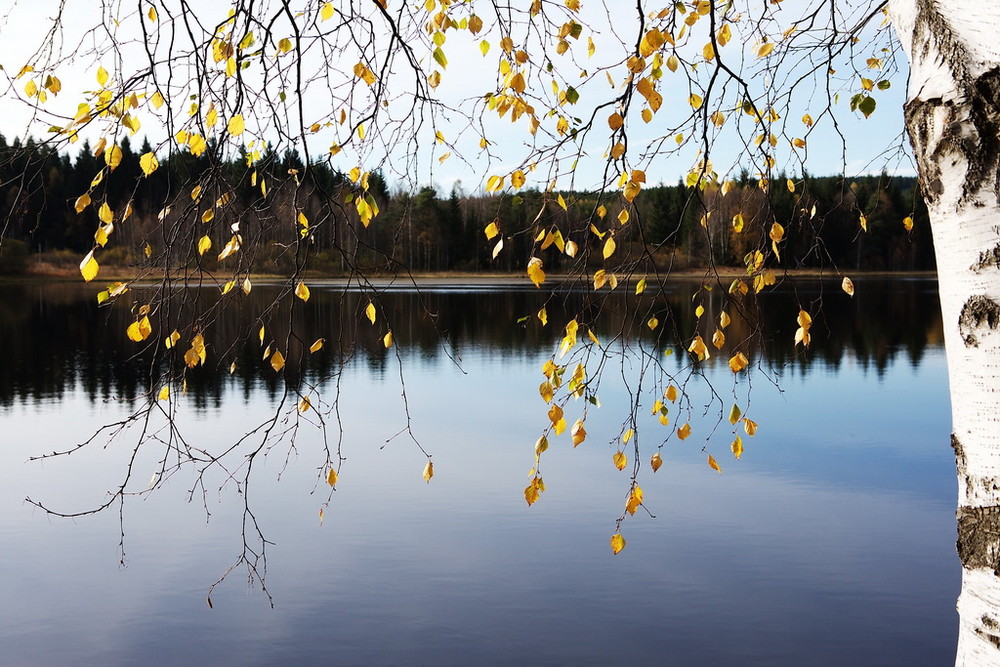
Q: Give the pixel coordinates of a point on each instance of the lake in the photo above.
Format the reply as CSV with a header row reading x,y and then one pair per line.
x,y
830,541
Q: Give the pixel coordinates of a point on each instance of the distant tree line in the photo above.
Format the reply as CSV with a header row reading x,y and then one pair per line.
x,y
827,221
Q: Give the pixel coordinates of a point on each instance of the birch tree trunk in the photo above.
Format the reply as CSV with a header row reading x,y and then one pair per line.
x,y
953,118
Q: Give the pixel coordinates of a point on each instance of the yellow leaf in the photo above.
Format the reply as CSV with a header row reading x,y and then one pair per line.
x,y
620,460
562,203
113,156
387,340
164,394
578,432
102,76
656,461
370,312
907,223
695,101
331,477
148,163
848,286
684,431
718,339
652,323
738,362
326,11
204,245
247,285
765,49
491,230
640,287
172,339
497,248
260,335
750,427
617,543
89,267
82,202
713,464
708,51
543,316
609,247
734,414
152,14
317,345
671,394
615,121
302,291
284,45
236,125
428,471
737,447
535,272
277,361
864,221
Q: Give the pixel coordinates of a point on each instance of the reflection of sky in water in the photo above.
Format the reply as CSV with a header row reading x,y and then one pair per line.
x,y
832,540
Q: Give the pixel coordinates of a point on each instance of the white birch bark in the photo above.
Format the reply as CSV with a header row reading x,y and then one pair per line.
x,y
953,117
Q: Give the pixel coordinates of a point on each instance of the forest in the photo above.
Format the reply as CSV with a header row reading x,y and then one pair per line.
x,y
432,231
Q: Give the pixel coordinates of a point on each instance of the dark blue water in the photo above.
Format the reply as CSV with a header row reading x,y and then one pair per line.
x,y
831,541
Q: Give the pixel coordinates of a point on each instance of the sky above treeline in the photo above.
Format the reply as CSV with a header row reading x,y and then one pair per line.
x,y
841,142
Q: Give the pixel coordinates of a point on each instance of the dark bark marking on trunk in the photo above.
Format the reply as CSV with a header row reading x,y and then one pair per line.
x,y
988,259
970,123
990,637
978,541
978,311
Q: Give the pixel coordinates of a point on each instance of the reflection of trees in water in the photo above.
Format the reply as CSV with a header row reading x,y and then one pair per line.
x,y
56,338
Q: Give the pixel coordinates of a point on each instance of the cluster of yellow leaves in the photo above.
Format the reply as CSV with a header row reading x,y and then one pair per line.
x,y
802,333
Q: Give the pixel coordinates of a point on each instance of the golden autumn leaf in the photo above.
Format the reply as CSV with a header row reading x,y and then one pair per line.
x,y
718,339
750,427
738,362
387,340
617,543
204,244
908,223
535,272
713,464
848,286
734,414
89,267
620,460
148,163
491,230
82,202
684,431
317,345
236,125
113,156
164,394
656,461
172,339
331,477
277,361
737,447
302,291
428,471
671,393
609,247
370,312
579,433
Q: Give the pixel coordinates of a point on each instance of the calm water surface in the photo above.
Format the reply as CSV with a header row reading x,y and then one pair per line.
x,y
830,542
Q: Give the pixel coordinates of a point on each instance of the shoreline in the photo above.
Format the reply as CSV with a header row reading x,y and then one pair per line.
x,y
459,279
